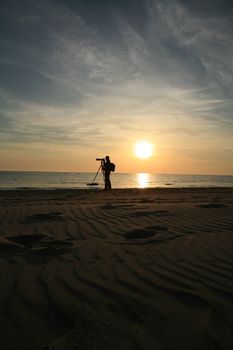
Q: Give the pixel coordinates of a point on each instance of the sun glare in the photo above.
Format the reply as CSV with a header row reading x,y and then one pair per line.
x,y
143,149
142,180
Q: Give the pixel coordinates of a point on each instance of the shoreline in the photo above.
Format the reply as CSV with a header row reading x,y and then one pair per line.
x,y
66,189
116,192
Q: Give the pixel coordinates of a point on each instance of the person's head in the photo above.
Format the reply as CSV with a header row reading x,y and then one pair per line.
x,y
107,158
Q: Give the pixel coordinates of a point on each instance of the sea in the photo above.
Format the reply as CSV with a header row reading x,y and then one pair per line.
x,y
84,180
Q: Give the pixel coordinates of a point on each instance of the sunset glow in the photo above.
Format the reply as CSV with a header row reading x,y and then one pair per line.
x,y
85,79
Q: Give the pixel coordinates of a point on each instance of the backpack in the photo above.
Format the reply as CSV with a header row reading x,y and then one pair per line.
x,y
112,166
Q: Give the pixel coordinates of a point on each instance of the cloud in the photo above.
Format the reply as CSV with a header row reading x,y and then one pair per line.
x,y
75,73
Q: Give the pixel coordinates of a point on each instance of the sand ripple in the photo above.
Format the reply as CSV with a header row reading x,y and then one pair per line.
x,y
118,270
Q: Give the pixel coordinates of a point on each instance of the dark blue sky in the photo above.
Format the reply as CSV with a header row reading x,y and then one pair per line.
x,y
78,75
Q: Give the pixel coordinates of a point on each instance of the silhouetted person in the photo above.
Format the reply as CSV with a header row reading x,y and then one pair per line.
x,y
107,171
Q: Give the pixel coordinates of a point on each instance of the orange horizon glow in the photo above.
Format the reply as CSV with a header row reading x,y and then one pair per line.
x,y
71,159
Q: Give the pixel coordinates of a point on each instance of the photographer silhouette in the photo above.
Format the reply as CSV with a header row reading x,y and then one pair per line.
x,y
107,167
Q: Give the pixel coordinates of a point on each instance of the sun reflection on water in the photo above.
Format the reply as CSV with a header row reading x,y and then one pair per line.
x,y
142,180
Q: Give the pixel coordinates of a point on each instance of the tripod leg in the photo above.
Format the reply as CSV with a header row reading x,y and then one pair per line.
x,y
97,173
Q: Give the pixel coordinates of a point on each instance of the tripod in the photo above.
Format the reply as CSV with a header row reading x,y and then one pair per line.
x,y
93,183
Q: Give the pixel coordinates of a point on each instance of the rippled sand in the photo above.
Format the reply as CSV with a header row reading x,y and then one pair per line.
x,y
124,269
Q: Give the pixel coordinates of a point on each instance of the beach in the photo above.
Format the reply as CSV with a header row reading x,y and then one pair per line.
x,y
121,269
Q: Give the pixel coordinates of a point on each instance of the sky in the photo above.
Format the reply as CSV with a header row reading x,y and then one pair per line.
x,y
82,79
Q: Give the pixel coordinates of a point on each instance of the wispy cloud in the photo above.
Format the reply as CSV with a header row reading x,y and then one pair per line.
x,y
67,80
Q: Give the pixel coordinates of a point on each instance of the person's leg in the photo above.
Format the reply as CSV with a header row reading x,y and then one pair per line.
x,y
107,182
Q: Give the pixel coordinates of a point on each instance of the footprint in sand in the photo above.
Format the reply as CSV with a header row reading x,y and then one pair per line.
x,y
26,240
53,216
110,206
34,247
139,234
212,205
158,233
147,232
7,246
150,213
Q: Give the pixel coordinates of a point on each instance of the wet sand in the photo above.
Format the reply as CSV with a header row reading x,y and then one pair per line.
x,y
121,269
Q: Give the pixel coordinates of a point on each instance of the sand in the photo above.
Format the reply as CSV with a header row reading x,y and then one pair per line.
x,y
121,269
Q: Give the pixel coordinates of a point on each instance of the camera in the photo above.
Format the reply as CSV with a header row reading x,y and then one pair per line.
x,y
101,159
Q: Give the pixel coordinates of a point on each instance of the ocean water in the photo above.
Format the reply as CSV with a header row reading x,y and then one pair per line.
x,y
78,180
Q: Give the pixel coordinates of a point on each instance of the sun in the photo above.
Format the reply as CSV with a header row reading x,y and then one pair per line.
x,y
143,149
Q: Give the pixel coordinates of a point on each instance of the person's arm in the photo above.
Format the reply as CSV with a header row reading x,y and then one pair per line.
x,y
103,164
